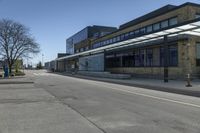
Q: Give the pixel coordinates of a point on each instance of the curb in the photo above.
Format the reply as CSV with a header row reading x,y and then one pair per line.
x,y
17,82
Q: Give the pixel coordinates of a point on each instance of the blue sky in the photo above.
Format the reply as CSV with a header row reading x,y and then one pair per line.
x,y
52,21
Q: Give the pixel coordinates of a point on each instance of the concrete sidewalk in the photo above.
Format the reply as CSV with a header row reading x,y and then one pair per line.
x,y
173,86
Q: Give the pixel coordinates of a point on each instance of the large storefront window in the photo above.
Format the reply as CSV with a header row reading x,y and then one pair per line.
x,y
161,56
146,57
149,57
128,60
173,55
112,61
142,57
137,58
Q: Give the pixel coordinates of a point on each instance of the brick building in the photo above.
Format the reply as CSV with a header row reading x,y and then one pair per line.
x,y
165,40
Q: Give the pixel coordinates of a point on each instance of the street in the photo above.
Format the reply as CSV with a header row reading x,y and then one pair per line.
x,y
58,104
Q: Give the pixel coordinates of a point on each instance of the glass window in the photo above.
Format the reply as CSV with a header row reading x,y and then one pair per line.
x,y
131,33
149,28
142,57
87,48
173,55
173,21
101,44
197,16
164,24
122,37
126,35
114,39
137,32
156,56
127,60
198,54
142,31
118,38
110,41
107,42
112,61
104,43
94,45
198,62
149,57
82,49
161,56
156,26
198,50
137,58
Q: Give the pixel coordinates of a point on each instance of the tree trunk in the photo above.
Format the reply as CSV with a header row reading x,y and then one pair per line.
x,y
10,69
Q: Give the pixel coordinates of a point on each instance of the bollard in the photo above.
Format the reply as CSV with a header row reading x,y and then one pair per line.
x,y
188,81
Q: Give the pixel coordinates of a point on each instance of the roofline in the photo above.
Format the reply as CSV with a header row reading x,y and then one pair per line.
x,y
119,44
92,26
175,8
77,33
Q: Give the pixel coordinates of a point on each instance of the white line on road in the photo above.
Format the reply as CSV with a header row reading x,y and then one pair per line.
x,y
149,96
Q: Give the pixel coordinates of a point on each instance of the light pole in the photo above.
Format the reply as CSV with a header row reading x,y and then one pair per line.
x,y
166,59
42,60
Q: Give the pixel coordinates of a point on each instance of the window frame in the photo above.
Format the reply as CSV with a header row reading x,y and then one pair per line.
x,y
156,28
161,26
173,18
147,28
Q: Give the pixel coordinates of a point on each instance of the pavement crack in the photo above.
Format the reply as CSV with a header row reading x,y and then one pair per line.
x,y
61,100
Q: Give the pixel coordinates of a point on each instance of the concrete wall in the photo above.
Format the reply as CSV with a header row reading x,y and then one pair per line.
x,y
92,63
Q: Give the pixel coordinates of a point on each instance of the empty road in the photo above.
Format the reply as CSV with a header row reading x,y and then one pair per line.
x,y
107,107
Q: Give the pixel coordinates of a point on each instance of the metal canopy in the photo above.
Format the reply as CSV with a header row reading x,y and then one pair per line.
x,y
189,28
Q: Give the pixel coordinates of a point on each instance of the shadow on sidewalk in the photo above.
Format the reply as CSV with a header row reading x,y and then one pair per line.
x,y
180,90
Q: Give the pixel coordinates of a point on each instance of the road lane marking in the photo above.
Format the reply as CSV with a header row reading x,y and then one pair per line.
x,y
149,96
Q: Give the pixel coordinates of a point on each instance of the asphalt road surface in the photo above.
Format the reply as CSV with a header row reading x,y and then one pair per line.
x,y
111,108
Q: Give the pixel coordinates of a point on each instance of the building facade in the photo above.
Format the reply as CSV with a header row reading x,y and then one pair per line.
x,y
145,58
81,42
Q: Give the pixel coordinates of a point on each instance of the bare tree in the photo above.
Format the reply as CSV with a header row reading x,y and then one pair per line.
x,y
16,42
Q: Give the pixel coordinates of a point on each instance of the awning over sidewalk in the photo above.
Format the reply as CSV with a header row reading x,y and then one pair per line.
x,y
188,28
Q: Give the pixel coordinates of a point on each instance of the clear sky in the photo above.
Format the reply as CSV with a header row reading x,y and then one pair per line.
x,y
52,21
